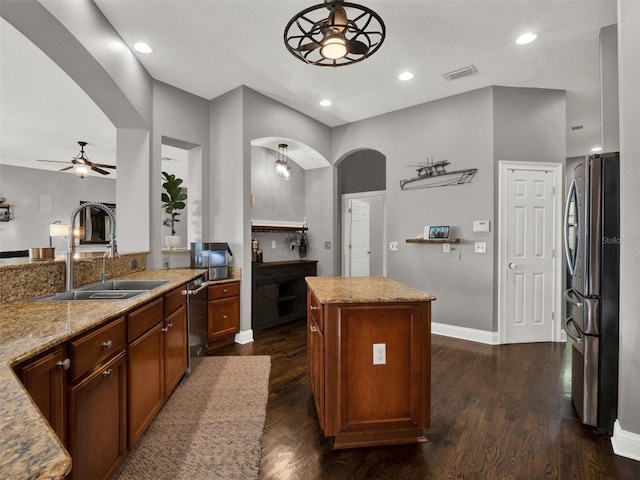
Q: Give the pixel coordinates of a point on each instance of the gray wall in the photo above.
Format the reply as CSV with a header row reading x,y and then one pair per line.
x,y
629,70
185,117
22,188
276,199
609,111
362,171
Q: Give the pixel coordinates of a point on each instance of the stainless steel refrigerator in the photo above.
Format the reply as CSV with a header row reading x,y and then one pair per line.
x,y
592,247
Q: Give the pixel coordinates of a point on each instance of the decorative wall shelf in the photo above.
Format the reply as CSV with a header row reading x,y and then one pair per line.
x,y
433,240
277,228
5,212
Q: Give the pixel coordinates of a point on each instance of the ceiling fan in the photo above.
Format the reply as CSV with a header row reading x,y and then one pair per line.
x,y
82,165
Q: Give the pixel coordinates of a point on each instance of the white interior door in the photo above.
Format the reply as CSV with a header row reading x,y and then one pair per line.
x,y
360,252
529,231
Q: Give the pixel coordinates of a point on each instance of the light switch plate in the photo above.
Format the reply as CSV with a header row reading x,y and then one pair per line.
x,y
393,246
481,226
446,247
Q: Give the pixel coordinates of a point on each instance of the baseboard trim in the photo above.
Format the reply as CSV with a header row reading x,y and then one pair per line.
x,y
244,336
465,333
625,444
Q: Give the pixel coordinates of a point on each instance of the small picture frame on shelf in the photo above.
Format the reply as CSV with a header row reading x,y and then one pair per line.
x,y
436,232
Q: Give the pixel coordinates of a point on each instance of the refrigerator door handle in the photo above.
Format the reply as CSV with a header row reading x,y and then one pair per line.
x,y
577,337
571,296
571,198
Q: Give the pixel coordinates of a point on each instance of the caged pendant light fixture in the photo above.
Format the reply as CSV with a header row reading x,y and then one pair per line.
x,y
282,167
334,34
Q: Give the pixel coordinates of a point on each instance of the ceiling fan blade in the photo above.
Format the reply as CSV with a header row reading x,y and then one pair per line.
x,y
102,165
357,47
309,46
99,170
66,168
50,161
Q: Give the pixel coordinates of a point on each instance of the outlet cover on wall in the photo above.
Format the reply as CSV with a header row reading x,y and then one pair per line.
x,y
379,353
393,246
480,247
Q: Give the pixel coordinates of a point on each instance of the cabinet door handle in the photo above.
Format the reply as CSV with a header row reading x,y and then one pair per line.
x,y
224,291
164,329
169,325
313,307
313,329
224,317
64,364
107,373
106,345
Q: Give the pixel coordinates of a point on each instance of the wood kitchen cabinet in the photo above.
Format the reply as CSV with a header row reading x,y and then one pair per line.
x,y
98,401
362,398
145,367
175,341
45,379
98,422
223,319
279,292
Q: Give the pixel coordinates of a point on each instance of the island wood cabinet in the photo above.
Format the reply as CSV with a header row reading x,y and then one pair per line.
x,y
279,292
223,317
358,401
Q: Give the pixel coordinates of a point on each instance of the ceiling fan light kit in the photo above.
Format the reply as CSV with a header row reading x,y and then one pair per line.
x,y
82,166
334,34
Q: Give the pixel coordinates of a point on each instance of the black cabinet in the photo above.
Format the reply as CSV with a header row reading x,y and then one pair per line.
x,y
279,292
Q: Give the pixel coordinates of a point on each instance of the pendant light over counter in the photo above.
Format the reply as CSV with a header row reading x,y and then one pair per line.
x,y
334,34
282,166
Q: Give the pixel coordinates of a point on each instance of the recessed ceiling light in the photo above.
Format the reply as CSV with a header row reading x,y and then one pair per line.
x,y
325,103
143,47
526,38
596,149
404,76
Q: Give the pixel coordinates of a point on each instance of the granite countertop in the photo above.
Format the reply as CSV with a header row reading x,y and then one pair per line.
x,y
364,290
28,446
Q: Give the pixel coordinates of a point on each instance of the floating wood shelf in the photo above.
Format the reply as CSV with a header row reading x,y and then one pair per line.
x,y
433,240
277,228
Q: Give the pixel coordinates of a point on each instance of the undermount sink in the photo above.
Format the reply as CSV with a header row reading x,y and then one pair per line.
x,y
125,285
111,290
90,295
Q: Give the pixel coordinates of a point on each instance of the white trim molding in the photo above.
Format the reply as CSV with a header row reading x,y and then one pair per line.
x,y
625,444
464,333
244,336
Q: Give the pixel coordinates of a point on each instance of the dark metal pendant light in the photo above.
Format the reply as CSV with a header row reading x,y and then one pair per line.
x,y
334,33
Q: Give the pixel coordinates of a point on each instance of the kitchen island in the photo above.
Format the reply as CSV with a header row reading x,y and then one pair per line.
x,y
369,355
29,448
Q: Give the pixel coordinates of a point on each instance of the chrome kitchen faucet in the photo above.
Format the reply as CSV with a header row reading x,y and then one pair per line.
x,y
113,248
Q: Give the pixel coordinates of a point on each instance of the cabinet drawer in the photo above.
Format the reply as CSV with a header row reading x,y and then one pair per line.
x,y
141,320
224,290
174,300
91,349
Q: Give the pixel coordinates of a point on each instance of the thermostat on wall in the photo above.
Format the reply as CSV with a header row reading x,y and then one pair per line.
x,y
481,226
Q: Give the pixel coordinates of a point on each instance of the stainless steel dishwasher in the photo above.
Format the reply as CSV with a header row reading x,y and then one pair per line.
x,y
196,293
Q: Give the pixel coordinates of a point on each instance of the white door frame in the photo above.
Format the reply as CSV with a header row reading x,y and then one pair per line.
x,y
558,314
346,219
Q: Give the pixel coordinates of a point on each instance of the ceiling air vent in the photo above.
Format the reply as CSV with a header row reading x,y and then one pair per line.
x,y
461,72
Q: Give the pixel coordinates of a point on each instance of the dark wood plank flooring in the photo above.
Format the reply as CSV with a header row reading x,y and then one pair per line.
x,y
498,412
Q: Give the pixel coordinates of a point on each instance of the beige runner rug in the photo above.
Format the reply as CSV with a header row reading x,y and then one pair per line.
x,y
210,428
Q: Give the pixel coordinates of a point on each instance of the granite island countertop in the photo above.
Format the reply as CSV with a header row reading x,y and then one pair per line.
x,y
364,290
28,447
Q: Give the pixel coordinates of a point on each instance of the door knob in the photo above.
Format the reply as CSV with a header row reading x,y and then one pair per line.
x,y
512,266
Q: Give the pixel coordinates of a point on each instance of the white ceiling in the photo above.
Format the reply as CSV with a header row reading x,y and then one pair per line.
x,y
208,47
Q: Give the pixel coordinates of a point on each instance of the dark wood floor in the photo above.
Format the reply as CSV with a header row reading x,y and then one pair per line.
x,y
498,412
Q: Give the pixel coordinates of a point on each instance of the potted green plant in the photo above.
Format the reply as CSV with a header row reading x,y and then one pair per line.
x,y
172,202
